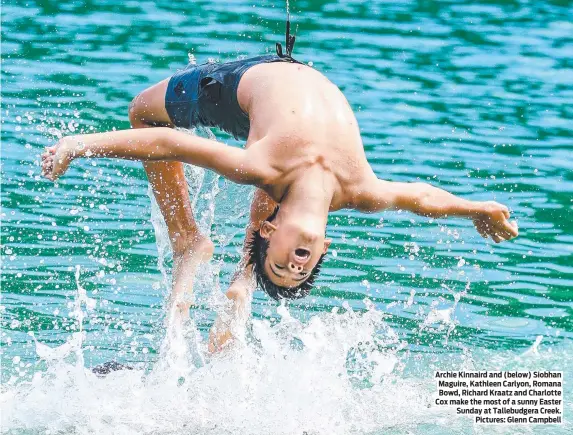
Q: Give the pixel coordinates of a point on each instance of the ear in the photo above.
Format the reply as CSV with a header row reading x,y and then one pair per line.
x,y
327,243
267,229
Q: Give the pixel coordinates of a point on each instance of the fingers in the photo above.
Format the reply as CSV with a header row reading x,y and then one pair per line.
x,y
498,226
496,234
515,228
482,232
55,160
503,232
48,163
487,231
481,229
507,230
499,235
46,167
505,212
499,231
510,229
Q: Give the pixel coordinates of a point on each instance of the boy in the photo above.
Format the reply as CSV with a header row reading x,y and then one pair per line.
x,y
303,152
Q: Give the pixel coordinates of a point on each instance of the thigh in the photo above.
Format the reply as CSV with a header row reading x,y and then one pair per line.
x,y
148,108
167,178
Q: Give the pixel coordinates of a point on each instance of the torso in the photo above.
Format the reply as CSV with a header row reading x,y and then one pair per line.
x,y
308,125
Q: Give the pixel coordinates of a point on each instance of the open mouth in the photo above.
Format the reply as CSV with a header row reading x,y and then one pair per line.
x,y
302,253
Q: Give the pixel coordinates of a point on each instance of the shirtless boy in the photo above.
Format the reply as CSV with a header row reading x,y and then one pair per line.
x,y
303,152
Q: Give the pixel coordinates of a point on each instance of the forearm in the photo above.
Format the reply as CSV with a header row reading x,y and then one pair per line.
x,y
426,200
490,218
159,143
230,323
262,207
242,283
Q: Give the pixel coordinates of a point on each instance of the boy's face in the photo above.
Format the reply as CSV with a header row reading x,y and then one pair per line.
x,y
292,254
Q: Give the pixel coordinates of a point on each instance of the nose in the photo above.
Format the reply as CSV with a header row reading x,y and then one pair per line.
x,y
295,268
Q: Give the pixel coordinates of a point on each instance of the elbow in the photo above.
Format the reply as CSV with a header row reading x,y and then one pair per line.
x,y
425,204
247,174
164,136
164,144
237,294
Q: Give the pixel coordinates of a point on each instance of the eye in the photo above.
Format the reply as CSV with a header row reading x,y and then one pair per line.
x,y
279,267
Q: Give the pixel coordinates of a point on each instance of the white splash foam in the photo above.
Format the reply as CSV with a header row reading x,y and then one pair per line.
x,y
331,375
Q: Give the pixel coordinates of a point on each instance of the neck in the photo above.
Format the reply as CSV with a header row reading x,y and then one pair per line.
x,y
308,200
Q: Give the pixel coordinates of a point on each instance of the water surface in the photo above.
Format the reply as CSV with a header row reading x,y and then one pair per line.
x,y
474,98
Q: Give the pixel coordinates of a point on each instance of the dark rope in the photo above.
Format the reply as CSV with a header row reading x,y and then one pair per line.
x,y
289,40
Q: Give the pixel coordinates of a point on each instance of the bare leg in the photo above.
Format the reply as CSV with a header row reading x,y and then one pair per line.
x,y
169,186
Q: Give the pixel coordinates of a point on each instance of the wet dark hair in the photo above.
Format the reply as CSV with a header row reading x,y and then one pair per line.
x,y
257,250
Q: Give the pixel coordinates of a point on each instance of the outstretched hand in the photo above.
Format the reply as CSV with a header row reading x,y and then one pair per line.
x,y
57,158
493,221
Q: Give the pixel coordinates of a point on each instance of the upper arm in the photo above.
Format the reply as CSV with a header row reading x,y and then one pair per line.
x,y
377,195
236,164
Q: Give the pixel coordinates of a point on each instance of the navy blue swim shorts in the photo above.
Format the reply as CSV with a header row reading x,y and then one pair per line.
x,y
206,95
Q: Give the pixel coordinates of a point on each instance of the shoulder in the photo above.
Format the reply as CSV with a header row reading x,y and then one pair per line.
x,y
259,161
368,194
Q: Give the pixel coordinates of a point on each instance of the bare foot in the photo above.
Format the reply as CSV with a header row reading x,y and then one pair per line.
x,y
185,264
57,158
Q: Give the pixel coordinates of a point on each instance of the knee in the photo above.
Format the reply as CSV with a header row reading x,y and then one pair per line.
x,y
134,112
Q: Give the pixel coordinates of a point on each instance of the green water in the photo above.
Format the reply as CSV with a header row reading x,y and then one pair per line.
x,y
474,97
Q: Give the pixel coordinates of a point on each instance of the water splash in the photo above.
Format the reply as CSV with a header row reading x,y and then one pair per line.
x,y
286,378
340,373
343,372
